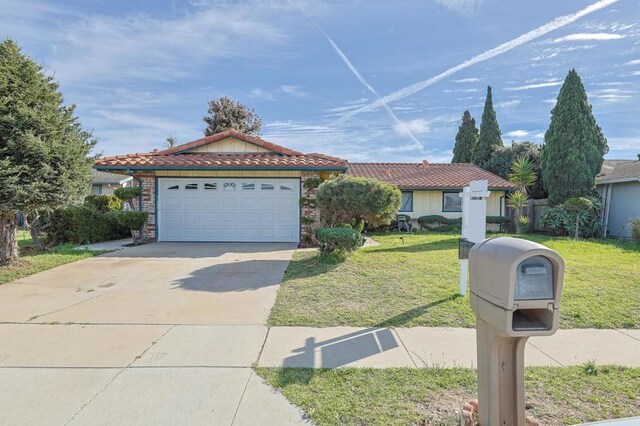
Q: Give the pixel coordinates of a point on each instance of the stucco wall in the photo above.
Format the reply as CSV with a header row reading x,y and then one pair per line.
x,y
430,202
624,205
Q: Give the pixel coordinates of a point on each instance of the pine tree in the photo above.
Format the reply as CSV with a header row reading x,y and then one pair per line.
x,y
574,146
44,152
490,135
227,114
466,139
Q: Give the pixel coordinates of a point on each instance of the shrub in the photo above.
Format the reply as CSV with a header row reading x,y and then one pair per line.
x,y
523,221
344,198
635,229
563,222
132,220
127,193
499,220
312,182
84,224
104,203
343,225
341,240
436,222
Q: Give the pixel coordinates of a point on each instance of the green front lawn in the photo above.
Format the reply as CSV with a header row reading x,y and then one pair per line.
x,y
415,283
33,261
555,395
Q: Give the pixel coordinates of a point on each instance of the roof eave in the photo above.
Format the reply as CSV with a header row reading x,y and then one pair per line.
x,y
617,180
223,168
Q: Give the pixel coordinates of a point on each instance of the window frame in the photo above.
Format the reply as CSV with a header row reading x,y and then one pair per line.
x,y
457,193
402,201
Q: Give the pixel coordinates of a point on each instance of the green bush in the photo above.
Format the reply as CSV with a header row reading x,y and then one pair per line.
x,y
635,229
341,240
104,203
560,221
84,224
133,220
499,220
344,198
436,222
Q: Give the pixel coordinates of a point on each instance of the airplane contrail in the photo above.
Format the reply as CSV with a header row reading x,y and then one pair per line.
x,y
553,25
364,82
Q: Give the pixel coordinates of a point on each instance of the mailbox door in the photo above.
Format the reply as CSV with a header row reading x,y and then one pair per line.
x,y
534,279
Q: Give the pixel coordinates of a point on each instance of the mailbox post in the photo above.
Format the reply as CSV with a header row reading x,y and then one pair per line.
x,y
515,292
474,222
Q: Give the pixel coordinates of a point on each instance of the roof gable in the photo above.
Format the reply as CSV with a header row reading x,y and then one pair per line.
x,y
229,142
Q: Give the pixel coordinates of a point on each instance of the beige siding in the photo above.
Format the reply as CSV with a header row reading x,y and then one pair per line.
x,y
430,202
228,173
230,145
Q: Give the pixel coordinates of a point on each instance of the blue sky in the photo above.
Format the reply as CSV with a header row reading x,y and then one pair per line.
x,y
362,80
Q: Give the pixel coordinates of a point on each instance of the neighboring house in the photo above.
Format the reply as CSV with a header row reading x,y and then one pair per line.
x,y
105,183
619,186
432,189
224,187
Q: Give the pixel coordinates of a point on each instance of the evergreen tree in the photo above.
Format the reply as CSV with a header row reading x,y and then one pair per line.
x,y
466,139
44,152
227,114
489,137
574,146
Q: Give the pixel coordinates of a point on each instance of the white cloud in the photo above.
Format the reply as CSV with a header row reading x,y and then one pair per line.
x,y
509,104
467,80
555,24
517,133
534,86
463,7
263,94
417,126
588,37
634,62
293,90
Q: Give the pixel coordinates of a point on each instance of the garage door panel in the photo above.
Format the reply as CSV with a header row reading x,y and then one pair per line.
x,y
228,209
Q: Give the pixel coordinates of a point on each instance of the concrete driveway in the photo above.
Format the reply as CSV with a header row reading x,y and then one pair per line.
x,y
164,333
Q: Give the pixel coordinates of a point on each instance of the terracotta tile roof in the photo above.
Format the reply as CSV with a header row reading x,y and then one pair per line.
x,y
619,171
215,160
233,134
427,175
180,156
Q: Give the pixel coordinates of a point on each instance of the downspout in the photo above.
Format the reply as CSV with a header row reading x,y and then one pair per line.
x,y
607,203
137,179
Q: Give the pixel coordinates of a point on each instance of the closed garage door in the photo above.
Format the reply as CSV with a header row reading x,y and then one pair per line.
x,y
228,209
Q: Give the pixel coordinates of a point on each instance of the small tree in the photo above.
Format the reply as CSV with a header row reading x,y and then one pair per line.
x,y
134,220
490,134
503,158
171,142
574,146
523,175
345,198
466,140
227,114
579,206
44,153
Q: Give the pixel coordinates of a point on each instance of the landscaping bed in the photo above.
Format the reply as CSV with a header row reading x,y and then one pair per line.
x,y
554,395
33,261
412,280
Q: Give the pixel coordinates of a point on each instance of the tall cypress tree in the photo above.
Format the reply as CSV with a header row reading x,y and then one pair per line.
x,y
466,139
490,135
574,146
44,153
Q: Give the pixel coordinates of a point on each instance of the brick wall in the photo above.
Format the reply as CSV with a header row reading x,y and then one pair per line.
x,y
148,182
308,234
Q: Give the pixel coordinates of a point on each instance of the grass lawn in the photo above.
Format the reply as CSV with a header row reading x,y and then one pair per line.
x,y
555,395
33,261
415,283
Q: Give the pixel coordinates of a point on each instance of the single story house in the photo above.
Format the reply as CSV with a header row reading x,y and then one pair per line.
x,y
224,187
432,189
234,187
619,186
105,183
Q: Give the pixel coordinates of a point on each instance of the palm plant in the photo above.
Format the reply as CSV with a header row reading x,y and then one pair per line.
x,y
523,175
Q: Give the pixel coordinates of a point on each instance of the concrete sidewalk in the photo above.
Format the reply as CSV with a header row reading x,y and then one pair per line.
x,y
420,347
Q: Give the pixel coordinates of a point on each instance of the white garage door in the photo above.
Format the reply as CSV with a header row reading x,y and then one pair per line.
x,y
228,209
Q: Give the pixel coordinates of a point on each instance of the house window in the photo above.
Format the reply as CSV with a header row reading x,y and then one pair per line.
x,y
211,186
229,186
451,202
191,186
407,201
248,186
267,187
